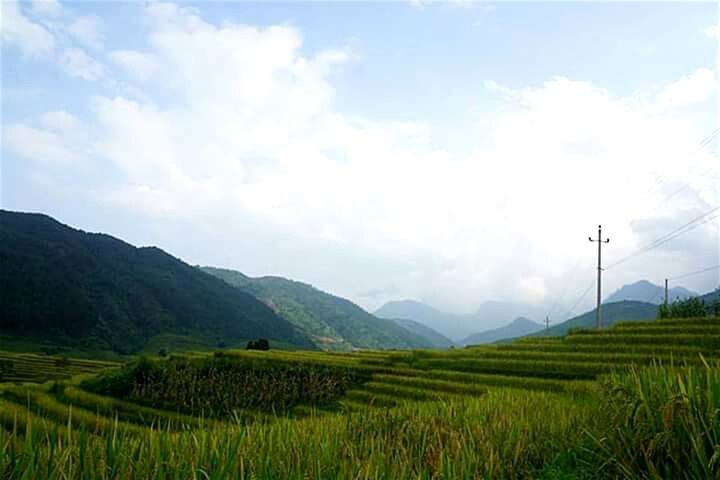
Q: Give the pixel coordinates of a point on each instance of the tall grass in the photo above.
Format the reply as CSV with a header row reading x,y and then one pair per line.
x,y
502,435
662,423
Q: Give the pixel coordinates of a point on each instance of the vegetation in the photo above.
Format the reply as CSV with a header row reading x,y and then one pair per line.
x,y
74,289
333,322
259,344
693,307
645,407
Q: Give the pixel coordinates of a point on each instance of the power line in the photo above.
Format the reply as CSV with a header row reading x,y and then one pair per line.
x,y
580,299
660,179
689,226
685,275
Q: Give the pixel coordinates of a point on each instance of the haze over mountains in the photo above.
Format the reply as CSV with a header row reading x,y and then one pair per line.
x,y
489,315
519,327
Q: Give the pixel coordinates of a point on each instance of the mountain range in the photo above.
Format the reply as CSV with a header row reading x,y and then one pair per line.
x,y
490,314
66,287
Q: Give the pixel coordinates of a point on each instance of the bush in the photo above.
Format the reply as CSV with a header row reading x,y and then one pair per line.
x,y
259,344
688,308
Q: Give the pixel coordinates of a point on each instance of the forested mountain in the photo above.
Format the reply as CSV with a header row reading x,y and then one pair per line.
x,y
517,328
644,291
332,322
68,287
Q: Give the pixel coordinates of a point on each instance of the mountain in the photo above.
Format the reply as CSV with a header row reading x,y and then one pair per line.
x,y
611,313
63,286
517,328
644,291
437,339
489,314
711,297
333,322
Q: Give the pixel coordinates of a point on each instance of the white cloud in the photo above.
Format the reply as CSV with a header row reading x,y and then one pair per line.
x,y
47,8
248,127
695,88
87,30
32,39
43,147
77,63
138,64
713,31
60,121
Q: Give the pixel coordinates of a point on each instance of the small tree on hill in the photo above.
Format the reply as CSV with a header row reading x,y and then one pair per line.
x,y
259,344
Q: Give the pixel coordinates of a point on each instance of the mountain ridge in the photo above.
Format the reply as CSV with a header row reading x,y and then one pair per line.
x,y
645,291
334,322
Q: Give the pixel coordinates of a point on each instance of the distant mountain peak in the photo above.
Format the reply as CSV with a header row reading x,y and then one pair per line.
x,y
646,291
518,327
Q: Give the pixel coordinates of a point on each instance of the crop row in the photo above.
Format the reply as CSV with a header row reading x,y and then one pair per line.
x,y
706,342
656,329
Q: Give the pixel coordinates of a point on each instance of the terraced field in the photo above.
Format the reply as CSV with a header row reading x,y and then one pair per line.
x,y
29,367
560,371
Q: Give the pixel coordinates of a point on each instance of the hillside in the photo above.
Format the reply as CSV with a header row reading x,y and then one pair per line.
x,y
490,314
333,322
435,338
611,313
66,287
644,291
517,328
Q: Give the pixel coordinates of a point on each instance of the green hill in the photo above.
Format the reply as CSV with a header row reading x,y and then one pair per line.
x,y
436,338
333,322
68,288
611,313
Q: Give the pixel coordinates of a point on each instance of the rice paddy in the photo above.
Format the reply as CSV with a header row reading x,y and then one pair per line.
x,y
536,408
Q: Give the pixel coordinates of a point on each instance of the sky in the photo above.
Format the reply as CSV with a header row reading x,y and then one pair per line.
x,y
451,153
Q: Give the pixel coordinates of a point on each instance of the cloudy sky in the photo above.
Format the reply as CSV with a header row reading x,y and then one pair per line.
x,y
446,152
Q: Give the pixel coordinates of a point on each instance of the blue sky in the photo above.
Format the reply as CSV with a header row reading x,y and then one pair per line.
x,y
420,146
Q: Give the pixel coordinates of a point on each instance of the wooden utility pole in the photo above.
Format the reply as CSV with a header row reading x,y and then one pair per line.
x,y
547,322
600,241
666,292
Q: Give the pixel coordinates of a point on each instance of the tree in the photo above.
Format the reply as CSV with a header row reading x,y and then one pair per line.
x,y
689,308
259,344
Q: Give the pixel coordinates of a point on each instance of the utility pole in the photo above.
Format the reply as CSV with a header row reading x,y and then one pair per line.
x,y
600,241
666,292
547,322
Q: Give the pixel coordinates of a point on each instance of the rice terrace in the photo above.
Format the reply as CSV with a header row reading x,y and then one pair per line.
x,y
359,240
627,402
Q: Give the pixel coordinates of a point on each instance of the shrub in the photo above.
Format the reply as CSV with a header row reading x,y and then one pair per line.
x,y
688,308
259,344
